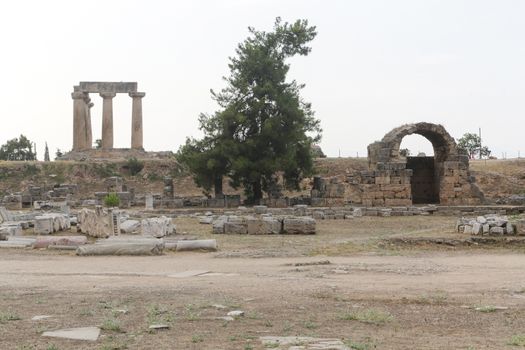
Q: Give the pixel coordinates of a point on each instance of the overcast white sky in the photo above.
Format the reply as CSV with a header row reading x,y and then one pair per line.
x,y
374,65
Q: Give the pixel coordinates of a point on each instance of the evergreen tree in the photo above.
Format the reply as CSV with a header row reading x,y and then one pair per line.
x,y
263,126
46,154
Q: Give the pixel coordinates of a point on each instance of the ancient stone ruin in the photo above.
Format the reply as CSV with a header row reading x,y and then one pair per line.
x,y
82,131
394,180
443,178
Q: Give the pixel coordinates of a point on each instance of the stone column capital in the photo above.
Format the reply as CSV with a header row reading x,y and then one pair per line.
x,y
78,95
137,94
107,94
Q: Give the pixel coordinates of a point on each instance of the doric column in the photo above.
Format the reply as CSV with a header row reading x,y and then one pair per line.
x,y
79,121
89,132
107,119
136,120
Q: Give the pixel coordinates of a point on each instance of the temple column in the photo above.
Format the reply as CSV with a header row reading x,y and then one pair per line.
x,y
107,119
136,120
89,132
79,121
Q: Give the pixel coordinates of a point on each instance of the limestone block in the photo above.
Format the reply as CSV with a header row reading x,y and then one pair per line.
x,y
318,215
510,229
497,230
260,209
149,202
129,226
205,220
11,229
300,209
157,227
303,225
263,226
477,228
520,227
95,223
43,225
218,224
235,227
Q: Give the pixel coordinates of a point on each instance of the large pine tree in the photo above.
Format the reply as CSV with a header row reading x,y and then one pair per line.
x,y
263,126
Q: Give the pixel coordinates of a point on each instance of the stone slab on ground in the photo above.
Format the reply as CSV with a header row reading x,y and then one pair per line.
x,y
190,273
305,343
40,317
82,333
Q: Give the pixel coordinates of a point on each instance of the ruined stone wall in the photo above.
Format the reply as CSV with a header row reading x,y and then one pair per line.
x,y
390,182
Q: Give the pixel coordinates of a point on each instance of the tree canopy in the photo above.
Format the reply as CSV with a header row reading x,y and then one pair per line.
x,y
18,149
263,126
471,143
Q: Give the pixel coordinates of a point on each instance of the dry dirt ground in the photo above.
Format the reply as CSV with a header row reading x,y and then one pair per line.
x,y
349,281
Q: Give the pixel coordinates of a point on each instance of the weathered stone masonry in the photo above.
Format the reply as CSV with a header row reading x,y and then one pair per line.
x,y
393,180
444,178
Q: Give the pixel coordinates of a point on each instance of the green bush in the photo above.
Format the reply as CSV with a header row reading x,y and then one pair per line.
x,y
112,200
134,165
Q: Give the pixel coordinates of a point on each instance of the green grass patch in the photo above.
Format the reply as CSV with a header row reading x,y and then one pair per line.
x,y
371,316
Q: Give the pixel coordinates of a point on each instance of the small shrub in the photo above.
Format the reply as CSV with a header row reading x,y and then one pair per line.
x,y
112,200
197,338
368,316
30,170
8,316
105,170
486,308
134,166
517,340
111,325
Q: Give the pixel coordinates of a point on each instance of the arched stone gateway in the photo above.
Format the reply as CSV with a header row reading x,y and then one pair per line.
x,y
396,180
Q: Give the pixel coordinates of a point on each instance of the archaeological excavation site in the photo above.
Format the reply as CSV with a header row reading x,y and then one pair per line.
x,y
209,175
129,239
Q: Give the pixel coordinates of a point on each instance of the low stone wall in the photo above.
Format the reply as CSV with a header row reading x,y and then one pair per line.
x,y
342,213
263,225
491,224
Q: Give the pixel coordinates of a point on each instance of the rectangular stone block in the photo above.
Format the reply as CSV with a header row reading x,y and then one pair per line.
x,y
157,227
240,228
43,225
303,225
263,226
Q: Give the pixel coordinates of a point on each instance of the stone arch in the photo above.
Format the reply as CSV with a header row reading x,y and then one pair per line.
x,y
444,145
443,179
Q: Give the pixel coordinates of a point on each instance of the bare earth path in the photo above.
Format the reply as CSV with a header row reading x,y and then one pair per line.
x,y
420,301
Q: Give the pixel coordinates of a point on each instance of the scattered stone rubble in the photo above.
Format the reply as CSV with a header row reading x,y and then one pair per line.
x,y
488,225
